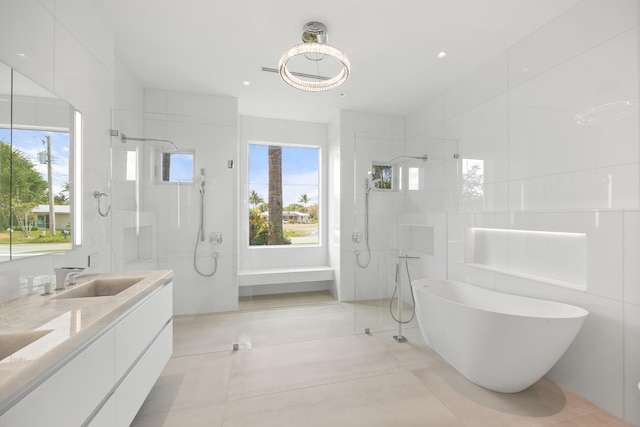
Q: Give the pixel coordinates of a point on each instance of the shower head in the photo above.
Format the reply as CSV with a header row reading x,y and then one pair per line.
x,y
370,184
199,182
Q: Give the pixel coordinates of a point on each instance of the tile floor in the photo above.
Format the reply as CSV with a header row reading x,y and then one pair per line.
x,y
304,366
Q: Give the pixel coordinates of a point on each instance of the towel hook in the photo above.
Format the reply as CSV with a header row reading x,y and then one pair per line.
x,y
99,195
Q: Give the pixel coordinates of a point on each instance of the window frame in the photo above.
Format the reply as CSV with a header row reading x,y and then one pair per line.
x,y
321,219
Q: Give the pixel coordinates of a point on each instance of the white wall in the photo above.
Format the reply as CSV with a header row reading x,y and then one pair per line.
x,y
69,51
545,171
208,126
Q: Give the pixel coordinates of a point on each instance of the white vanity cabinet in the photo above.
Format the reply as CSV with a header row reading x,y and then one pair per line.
x,y
108,379
144,343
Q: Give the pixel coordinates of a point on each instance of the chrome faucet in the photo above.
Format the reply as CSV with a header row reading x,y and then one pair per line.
x,y
63,272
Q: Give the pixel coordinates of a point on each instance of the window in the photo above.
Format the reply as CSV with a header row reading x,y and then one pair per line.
x,y
284,194
413,179
382,176
472,179
176,167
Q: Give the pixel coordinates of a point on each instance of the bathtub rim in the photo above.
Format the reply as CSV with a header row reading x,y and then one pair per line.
x,y
572,311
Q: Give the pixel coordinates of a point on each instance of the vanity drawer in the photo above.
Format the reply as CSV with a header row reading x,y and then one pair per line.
x,y
136,331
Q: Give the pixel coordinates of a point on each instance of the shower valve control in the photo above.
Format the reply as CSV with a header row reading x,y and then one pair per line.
x,y
215,238
356,237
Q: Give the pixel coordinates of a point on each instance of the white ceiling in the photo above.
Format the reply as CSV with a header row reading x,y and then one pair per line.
x,y
212,46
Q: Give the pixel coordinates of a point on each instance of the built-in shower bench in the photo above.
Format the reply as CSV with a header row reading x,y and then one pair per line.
x,y
272,276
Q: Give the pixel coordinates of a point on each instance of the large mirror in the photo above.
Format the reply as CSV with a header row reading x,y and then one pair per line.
x,y
37,156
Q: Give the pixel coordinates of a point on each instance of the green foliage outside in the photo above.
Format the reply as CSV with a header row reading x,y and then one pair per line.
x,y
259,224
259,229
21,190
19,237
384,173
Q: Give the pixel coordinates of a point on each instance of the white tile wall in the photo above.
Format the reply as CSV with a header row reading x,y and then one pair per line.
x,y
486,83
604,74
427,117
586,25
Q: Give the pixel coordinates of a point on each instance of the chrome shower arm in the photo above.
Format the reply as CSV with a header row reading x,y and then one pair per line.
x,y
124,138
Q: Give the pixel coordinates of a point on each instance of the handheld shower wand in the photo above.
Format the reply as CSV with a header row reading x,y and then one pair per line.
x,y
369,184
199,182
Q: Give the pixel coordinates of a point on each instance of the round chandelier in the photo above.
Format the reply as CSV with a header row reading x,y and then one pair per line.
x,y
314,48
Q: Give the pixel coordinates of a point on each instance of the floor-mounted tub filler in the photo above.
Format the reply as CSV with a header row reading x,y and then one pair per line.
x,y
499,341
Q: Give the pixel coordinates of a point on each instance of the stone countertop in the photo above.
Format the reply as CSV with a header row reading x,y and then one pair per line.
x,y
65,324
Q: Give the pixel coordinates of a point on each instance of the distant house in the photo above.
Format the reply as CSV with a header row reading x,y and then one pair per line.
x,y
293,216
62,213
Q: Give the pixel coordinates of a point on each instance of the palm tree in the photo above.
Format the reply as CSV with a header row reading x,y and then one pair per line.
x,y
255,199
276,234
304,199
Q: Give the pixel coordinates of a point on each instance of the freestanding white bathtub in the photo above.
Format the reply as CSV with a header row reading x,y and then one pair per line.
x,y
499,341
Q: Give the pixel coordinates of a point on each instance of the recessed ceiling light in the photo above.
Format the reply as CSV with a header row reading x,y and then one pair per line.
x,y
342,95
21,55
442,55
246,83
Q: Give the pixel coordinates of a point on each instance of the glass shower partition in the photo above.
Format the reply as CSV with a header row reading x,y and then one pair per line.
x,y
400,204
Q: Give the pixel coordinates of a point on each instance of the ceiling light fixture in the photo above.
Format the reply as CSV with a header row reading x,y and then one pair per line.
x,y
314,48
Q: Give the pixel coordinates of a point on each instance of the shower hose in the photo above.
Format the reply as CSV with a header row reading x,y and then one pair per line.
x,y
395,291
198,239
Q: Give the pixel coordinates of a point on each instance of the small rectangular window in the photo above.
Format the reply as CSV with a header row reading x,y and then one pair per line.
x,y
176,167
472,179
382,176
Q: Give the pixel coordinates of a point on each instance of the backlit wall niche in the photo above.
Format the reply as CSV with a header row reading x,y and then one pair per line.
x,y
557,258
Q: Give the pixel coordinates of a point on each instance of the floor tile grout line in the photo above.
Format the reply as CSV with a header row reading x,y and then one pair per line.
x,y
309,387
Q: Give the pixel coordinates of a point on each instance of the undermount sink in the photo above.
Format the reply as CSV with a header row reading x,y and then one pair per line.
x,y
107,287
11,342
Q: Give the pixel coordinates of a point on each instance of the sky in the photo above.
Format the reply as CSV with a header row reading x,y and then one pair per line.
x,y
299,173
30,143
181,167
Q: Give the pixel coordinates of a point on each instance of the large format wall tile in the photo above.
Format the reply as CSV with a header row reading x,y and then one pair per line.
x,y
546,135
485,83
584,26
